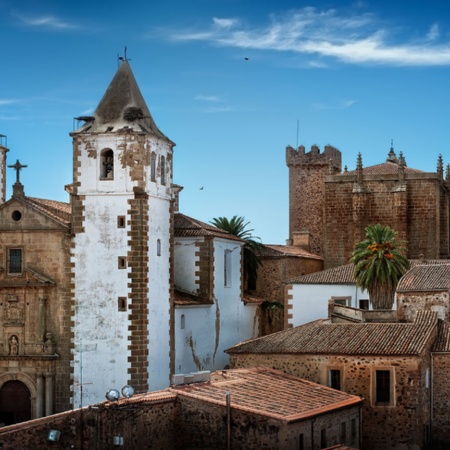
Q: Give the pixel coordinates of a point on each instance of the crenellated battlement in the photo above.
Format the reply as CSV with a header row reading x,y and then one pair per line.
x,y
330,155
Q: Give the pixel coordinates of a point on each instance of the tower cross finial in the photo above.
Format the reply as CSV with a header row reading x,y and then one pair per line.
x,y
17,167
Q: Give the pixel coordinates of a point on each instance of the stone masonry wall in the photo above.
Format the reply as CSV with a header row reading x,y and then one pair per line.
x,y
306,190
408,303
274,271
402,422
440,430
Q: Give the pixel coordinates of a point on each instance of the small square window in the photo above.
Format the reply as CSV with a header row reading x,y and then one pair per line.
x,y
122,303
122,264
120,221
334,379
364,304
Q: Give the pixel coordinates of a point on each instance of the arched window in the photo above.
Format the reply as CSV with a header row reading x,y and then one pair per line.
x,y
163,170
107,164
183,321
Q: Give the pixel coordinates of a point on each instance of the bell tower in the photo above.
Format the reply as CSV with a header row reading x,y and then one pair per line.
x,y
121,221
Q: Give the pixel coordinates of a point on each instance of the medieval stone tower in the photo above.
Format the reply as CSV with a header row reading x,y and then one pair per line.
x,y
307,172
121,221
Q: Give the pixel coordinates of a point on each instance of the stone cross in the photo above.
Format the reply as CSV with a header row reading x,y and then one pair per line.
x,y
17,167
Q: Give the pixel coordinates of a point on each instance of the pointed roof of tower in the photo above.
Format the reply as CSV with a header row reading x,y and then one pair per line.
x,y
122,107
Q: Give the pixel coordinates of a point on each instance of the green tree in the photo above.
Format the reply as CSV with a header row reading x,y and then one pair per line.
x,y
380,261
238,227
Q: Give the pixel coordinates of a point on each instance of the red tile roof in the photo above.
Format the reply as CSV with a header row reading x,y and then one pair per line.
x,y
59,211
429,277
268,392
320,337
344,274
442,342
186,226
279,251
385,168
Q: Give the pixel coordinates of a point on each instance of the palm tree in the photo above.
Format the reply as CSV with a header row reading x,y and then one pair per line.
x,y
380,261
238,227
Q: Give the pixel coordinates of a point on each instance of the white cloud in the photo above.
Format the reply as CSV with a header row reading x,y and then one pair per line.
x,y
208,98
49,22
433,33
353,39
5,101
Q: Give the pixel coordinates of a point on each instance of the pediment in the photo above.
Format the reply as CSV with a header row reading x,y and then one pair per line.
x,y
30,278
24,213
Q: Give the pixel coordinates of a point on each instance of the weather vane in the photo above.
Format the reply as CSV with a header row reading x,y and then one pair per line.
x,y
124,57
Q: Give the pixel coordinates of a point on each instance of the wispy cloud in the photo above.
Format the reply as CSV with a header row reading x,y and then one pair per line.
x,y
45,22
208,98
353,39
341,104
216,109
7,101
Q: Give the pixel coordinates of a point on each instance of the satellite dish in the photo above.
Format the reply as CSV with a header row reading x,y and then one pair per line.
x,y
112,395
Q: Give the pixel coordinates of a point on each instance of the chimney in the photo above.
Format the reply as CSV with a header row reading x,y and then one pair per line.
x,y
302,239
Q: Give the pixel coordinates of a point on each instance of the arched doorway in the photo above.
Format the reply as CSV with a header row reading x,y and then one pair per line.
x,y
15,403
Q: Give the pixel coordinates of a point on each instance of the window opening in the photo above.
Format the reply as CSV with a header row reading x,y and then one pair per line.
x,y
122,264
383,386
163,170
343,432
364,304
153,167
183,321
301,442
122,304
107,164
158,247
323,438
15,260
120,221
335,379
227,268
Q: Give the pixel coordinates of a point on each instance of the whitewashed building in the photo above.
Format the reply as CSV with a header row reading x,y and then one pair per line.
x,y
210,310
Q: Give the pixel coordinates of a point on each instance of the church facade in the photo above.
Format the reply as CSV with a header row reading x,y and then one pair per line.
x,y
330,209
87,288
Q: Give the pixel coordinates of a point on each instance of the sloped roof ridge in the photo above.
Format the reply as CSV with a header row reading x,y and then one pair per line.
x,y
319,337
186,226
59,211
384,168
426,277
279,250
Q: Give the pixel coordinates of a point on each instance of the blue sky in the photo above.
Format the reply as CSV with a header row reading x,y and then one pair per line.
x,y
351,74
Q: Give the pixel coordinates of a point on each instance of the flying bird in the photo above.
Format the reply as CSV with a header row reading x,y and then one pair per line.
x,y
201,189
246,58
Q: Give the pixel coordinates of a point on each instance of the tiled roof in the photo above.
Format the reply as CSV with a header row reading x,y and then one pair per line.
x,y
183,298
278,251
428,277
344,274
59,211
186,226
248,298
335,275
319,337
442,342
385,168
268,392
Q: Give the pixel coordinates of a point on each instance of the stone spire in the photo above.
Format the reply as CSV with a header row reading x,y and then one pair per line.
x,y
447,174
359,185
122,107
392,157
3,151
440,167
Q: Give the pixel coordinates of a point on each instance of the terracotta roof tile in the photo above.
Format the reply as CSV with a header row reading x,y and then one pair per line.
x,y
427,277
319,337
442,342
57,210
268,392
279,251
186,226
344,274
385,168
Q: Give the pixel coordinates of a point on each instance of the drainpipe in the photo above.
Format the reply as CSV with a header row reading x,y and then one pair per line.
x,y
228,395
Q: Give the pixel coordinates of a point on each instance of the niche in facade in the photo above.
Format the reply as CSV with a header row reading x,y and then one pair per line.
x,y
107,164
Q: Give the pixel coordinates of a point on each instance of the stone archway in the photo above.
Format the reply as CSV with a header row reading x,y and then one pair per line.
x,y
15,402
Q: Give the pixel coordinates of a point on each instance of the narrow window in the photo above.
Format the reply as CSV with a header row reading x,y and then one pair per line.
x,y
158,247
163,170
227,268
383,386
343,432
120,221
122,263
183,321
335,379
122,304
364,304
301,442
353,425
107,164
323,438
153,167
15,261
